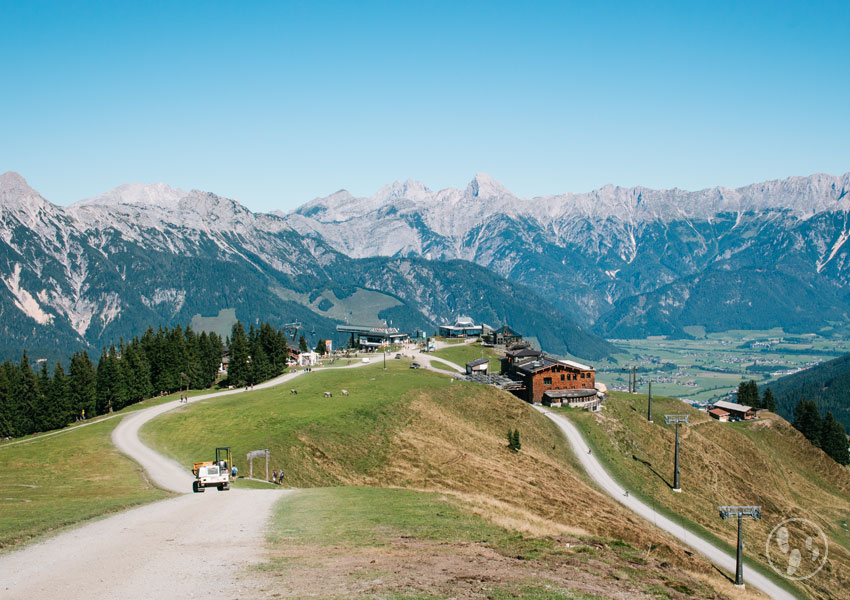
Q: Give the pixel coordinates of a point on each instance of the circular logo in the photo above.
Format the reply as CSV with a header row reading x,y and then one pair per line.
x,y
797,549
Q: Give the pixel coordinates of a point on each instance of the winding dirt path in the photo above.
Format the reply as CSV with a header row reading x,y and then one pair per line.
x,y
604,480
191,546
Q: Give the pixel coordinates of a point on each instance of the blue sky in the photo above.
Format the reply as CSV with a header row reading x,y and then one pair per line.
x,y
277,103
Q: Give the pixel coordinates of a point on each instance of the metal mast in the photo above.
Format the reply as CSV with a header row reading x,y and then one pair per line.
x,y
676,419
742,512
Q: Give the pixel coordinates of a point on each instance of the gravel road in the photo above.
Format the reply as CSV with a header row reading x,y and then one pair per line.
x,y
191,546
595,469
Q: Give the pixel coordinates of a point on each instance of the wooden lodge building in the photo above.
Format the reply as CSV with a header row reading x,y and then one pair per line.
x,y
735,411
537,374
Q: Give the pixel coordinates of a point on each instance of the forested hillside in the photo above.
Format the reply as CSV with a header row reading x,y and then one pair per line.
x,y
161,361
827,384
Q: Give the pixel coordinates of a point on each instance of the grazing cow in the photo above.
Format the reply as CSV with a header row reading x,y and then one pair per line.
x,y
328,395
293,391
345,392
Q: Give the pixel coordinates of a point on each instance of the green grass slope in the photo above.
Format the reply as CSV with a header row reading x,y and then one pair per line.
x,y
417,430
51,482
765,462
462,354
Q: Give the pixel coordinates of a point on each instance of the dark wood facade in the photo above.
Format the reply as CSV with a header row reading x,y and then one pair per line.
x,y
540,373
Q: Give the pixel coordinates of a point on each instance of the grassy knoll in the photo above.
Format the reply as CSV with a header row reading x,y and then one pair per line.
x,y
416,430
51,482
764,462
460,355
396,543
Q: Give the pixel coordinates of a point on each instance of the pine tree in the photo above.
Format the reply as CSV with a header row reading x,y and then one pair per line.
x,y
321,348
302,344
807,420
6,427
260,366
60,398
834,440
24,393
517,443
44,409
768,401
510,437
352,345
239,370
82,385
753,398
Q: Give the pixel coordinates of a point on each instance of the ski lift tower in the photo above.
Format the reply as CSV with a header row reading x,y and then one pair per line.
x,y
742,512
676,419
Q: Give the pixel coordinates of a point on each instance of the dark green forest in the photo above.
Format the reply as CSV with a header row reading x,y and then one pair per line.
x,y
827,385
161,361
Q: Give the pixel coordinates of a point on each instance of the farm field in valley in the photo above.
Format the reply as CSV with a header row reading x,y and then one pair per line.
x,y
710,368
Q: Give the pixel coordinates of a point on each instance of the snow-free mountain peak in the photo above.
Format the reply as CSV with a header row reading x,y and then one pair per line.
x,y
138,194
484,186
12,181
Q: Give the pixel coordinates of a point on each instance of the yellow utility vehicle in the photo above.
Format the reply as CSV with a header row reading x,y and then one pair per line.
x,y
213,473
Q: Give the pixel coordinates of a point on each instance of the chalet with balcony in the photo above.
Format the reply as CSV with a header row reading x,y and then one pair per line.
x,y
539,374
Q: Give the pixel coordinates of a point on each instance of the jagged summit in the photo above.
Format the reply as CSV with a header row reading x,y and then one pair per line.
x,y
14,188
138,194
484,186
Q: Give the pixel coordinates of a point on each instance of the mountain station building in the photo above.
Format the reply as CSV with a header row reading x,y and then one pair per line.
x,y
463,327
372,338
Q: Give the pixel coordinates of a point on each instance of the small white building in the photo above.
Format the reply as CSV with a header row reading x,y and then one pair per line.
x,y
308,359
479,365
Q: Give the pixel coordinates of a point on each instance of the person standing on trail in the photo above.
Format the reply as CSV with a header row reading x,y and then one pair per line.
x,y
274,476
280,481
234,471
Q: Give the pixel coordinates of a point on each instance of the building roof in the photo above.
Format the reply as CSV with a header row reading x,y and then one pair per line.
x,y
732,407
719,412
576,365
522,352
464,321
570,394
477,361
382,332
540,364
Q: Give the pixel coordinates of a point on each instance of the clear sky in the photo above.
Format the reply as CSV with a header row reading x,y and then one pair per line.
x,y
277,103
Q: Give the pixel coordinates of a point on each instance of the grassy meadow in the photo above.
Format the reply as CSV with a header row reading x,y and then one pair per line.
x,y
398,543
417,430
765,462
51,482
462,354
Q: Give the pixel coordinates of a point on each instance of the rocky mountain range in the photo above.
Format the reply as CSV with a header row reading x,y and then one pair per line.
x,y
141,255
622,262
629,262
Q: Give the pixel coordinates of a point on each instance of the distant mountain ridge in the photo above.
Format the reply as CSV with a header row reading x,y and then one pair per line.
x,y
140,255
631,261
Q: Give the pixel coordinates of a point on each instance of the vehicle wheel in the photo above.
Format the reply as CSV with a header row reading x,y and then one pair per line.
x,y
195,486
